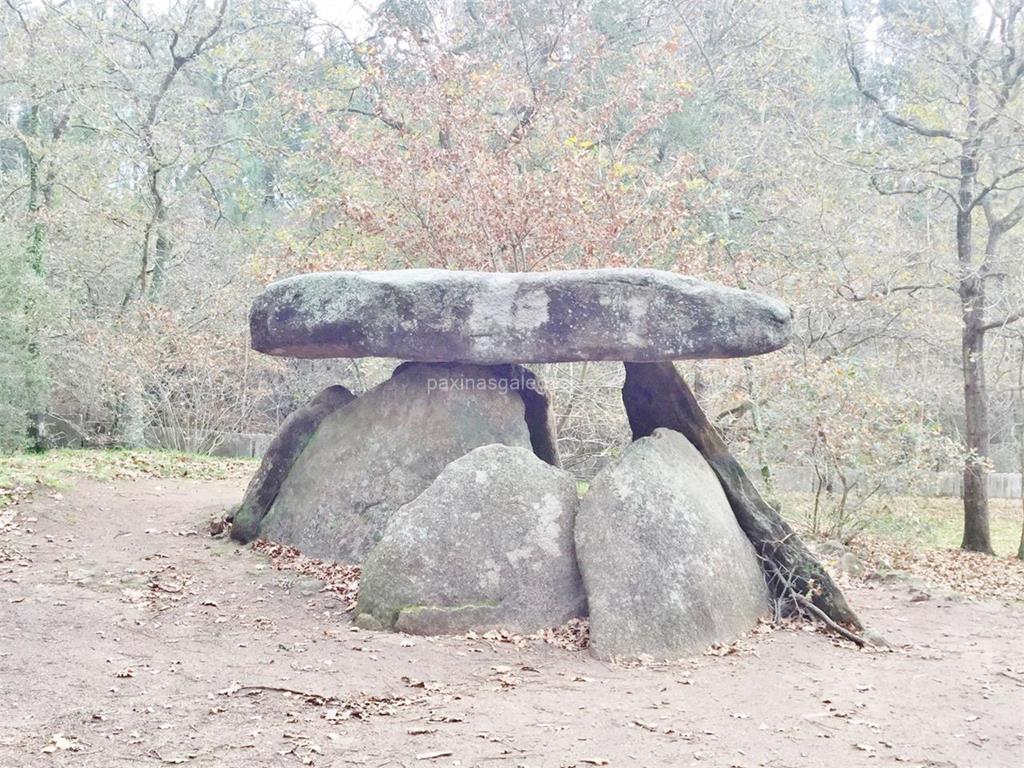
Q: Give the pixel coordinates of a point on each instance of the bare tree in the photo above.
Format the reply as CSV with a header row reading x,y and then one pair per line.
x,y
955,93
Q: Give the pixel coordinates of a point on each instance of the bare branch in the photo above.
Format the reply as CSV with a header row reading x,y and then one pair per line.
x,y
850,55
21,17
850,293
994,184
910,190
1002,225
1011,318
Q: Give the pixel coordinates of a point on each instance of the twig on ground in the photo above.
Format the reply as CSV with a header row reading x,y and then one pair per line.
x,y
808,605
1017,680
804,604
278,689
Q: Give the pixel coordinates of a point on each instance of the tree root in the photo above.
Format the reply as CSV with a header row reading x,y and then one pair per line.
x,y
804,605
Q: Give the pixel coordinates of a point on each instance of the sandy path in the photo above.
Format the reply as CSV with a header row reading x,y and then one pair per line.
x,y
125,628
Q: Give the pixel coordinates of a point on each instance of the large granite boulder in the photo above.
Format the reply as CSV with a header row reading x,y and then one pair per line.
x,y
382,450
666,567
289,442
489,544
431,315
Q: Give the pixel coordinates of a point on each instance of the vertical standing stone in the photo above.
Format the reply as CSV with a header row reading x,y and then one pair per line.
x,y
489,544
668,571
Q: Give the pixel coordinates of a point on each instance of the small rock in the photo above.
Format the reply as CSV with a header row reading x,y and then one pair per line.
x,y
367,621
851,565
308,587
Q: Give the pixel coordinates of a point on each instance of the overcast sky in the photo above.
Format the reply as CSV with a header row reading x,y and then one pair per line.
x,y
350,15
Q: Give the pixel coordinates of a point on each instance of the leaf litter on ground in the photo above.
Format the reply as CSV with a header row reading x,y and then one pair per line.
x,y
969,573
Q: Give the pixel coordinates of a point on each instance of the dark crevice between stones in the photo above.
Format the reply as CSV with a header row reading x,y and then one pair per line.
x,y
539,421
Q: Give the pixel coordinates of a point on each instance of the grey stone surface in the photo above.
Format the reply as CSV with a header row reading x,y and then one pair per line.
x,y
637,315
667,569
382,450
288,444
540,418
488,545
850,564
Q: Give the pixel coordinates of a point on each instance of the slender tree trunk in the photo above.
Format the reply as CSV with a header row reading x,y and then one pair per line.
x,y
977,537
35,259
132,419
971,289
1020,547
1019,430
34,247
161,258
753,392
1020,465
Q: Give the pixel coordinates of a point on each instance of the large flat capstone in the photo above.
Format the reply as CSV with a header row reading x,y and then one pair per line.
x,y
431,315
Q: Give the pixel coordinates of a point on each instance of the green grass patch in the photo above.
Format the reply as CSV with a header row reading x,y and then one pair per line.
x,y
58,468
926,523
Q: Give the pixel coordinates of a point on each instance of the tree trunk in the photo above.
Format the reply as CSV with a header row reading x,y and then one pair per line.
x,y
35,258
971,287
655,395
34,246
131,422
161,258
1019,430
758,440
977,537
1020,547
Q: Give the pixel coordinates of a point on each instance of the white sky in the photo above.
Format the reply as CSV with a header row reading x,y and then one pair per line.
x,y
350,15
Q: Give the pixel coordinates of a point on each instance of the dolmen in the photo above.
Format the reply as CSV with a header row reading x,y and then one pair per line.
x,y
445,483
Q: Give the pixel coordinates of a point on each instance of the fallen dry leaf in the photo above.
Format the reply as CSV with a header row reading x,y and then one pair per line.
x,y
61,743
339,578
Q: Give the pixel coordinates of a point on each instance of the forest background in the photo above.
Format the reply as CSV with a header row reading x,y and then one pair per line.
x,y
161,162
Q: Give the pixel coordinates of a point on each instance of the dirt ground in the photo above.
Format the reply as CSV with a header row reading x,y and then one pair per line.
x,y
128,636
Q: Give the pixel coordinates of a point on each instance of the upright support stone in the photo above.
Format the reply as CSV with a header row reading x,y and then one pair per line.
x,y
372,457
655,395
668,571
279,458
488,544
